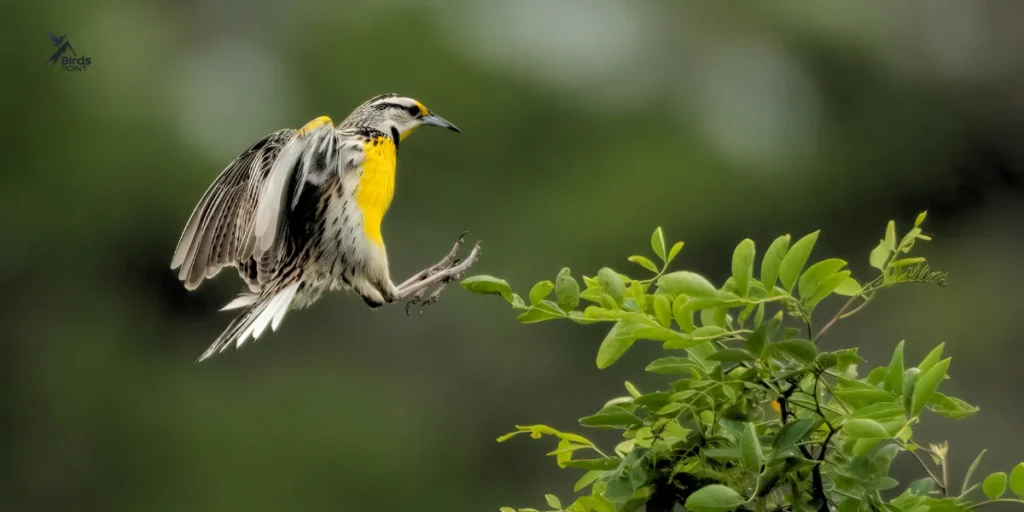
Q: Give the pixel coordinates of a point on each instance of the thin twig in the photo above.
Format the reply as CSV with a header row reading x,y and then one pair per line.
x,y
864,294
1003,500
816,472
929,471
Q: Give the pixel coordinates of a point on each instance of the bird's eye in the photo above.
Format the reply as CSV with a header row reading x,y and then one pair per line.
x,y
414,111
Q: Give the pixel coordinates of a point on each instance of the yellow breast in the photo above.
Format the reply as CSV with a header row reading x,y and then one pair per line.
x,y
376,185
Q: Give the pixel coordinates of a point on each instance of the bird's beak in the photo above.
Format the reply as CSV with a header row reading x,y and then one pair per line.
x,y
436,120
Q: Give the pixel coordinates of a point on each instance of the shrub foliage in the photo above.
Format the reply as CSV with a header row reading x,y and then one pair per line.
x,y
753,416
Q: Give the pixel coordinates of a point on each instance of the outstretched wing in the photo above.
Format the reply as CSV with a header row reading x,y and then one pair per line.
x,y
217,231
239,221
309,157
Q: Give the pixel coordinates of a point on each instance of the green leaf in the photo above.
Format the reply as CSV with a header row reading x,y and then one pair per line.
x,y
927,383
713,498
611,416
880,412
682,315
792,433
817,272
670,408
908,240
540,291
970,472
921,486
619,489
877,375
861,394
670,365
593,464
674,251
849,287
879,255
750,448
995,485
553,501
567,290
616,342
686,283
743,266
612,284
772,261
663,310
637,293
903,262
890,236
631,389
634,326
932,358
757,340
566,446
852,505
910,376
588,478
488,285
759,315
655,400
536,431
732,354
1017,480
864,445
802,350
795,259
658,244
644,262
544,310
920,219
507,509
894,376
824,288
564,452
865,428
950,407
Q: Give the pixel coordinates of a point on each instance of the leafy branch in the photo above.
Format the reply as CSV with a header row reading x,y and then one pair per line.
x,y
757,417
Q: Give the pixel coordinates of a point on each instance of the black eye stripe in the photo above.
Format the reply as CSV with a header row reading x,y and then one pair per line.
x,y
413,110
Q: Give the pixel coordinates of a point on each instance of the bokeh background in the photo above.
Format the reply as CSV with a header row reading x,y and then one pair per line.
x,y
585,125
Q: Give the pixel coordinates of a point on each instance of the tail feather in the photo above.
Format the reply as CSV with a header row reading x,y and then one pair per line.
x,y
266,309
245,299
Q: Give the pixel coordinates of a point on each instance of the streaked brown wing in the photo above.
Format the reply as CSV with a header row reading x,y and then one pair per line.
x,y
217,232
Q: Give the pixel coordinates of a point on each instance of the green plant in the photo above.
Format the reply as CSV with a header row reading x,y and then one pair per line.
x,y
757,417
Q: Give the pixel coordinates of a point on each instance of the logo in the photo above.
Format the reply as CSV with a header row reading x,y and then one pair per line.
x,y
65,54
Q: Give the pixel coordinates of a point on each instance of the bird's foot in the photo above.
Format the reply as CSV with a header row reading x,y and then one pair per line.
x,y
447,262
449,269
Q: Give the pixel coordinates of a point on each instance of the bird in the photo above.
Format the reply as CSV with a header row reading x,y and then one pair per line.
x,y
299,213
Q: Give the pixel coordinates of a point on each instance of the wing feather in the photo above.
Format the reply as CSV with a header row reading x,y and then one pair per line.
x,y
308,158
204,246
238,221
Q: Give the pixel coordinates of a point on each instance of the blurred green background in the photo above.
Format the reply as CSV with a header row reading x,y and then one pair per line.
x,y
585,125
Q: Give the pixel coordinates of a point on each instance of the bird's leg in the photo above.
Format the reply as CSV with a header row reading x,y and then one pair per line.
x,y
448,261
448,269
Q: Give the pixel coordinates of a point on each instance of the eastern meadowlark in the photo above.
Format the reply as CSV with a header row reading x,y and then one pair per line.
x,y
299,213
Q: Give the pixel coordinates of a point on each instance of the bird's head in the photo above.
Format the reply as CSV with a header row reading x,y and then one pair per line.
x,y
396,115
